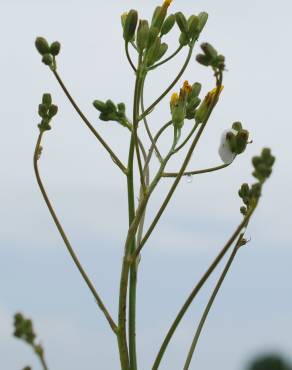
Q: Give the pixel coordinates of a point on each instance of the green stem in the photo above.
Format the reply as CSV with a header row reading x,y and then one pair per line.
x,y
182,170
147,126
197,172
159,133
166,59
187,138
65,239
149,109
89,125
129,57
197,288
210,302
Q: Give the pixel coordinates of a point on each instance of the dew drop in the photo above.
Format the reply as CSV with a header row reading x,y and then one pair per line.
x,y
189,179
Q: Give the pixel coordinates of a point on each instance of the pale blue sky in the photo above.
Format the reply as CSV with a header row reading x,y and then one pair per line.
x,y
253,312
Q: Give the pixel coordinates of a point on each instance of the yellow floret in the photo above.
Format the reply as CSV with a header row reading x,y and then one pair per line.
x,y
174,99
167,3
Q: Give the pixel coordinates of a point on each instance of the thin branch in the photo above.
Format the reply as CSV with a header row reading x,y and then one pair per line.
x,y
129,57
89,125
199,285
159,133
149,109
197,172
210,302
147,126
65,239
166,59
182,170
187,138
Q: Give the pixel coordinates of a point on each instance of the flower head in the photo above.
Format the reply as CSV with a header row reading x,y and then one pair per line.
x,y
166,3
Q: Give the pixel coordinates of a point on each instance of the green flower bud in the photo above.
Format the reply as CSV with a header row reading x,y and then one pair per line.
x,y
196,89
237,126
121,107
181,22
162,51
99,105
123,19
159,17
142,35
44,125
47,99
42,45
167,24
241,141
110,106
55,48
209,50
243,210
153,34
153,52
47,59
53,110
193,24
130,25
203,17
43,110
203,59
191,107
183,39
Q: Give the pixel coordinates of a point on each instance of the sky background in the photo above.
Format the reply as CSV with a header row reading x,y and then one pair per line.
x,y
253,312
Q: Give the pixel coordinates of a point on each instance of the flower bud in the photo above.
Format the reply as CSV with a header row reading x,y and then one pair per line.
x,y
159,16
243,210
47,59
162,50
42,45
203,17
153,52
123,19
241,141
181,22
193,23
43,110
237,126
183,39
130,25
167,24
142,35
55,48
203,59
110,106
196,89
209,50
99,105
121,107
153,34
47,100
53,110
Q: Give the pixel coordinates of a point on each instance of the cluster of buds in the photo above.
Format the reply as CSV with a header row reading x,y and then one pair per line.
x,y
209,101
47,51
193,100
23,329
262,170
233,142
211,57
148,37
263,165
111,112
190,28
178,105
46,111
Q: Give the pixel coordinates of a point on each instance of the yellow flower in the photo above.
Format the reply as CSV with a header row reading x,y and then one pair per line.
x,y
174,99
211,94
167,3
187,87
